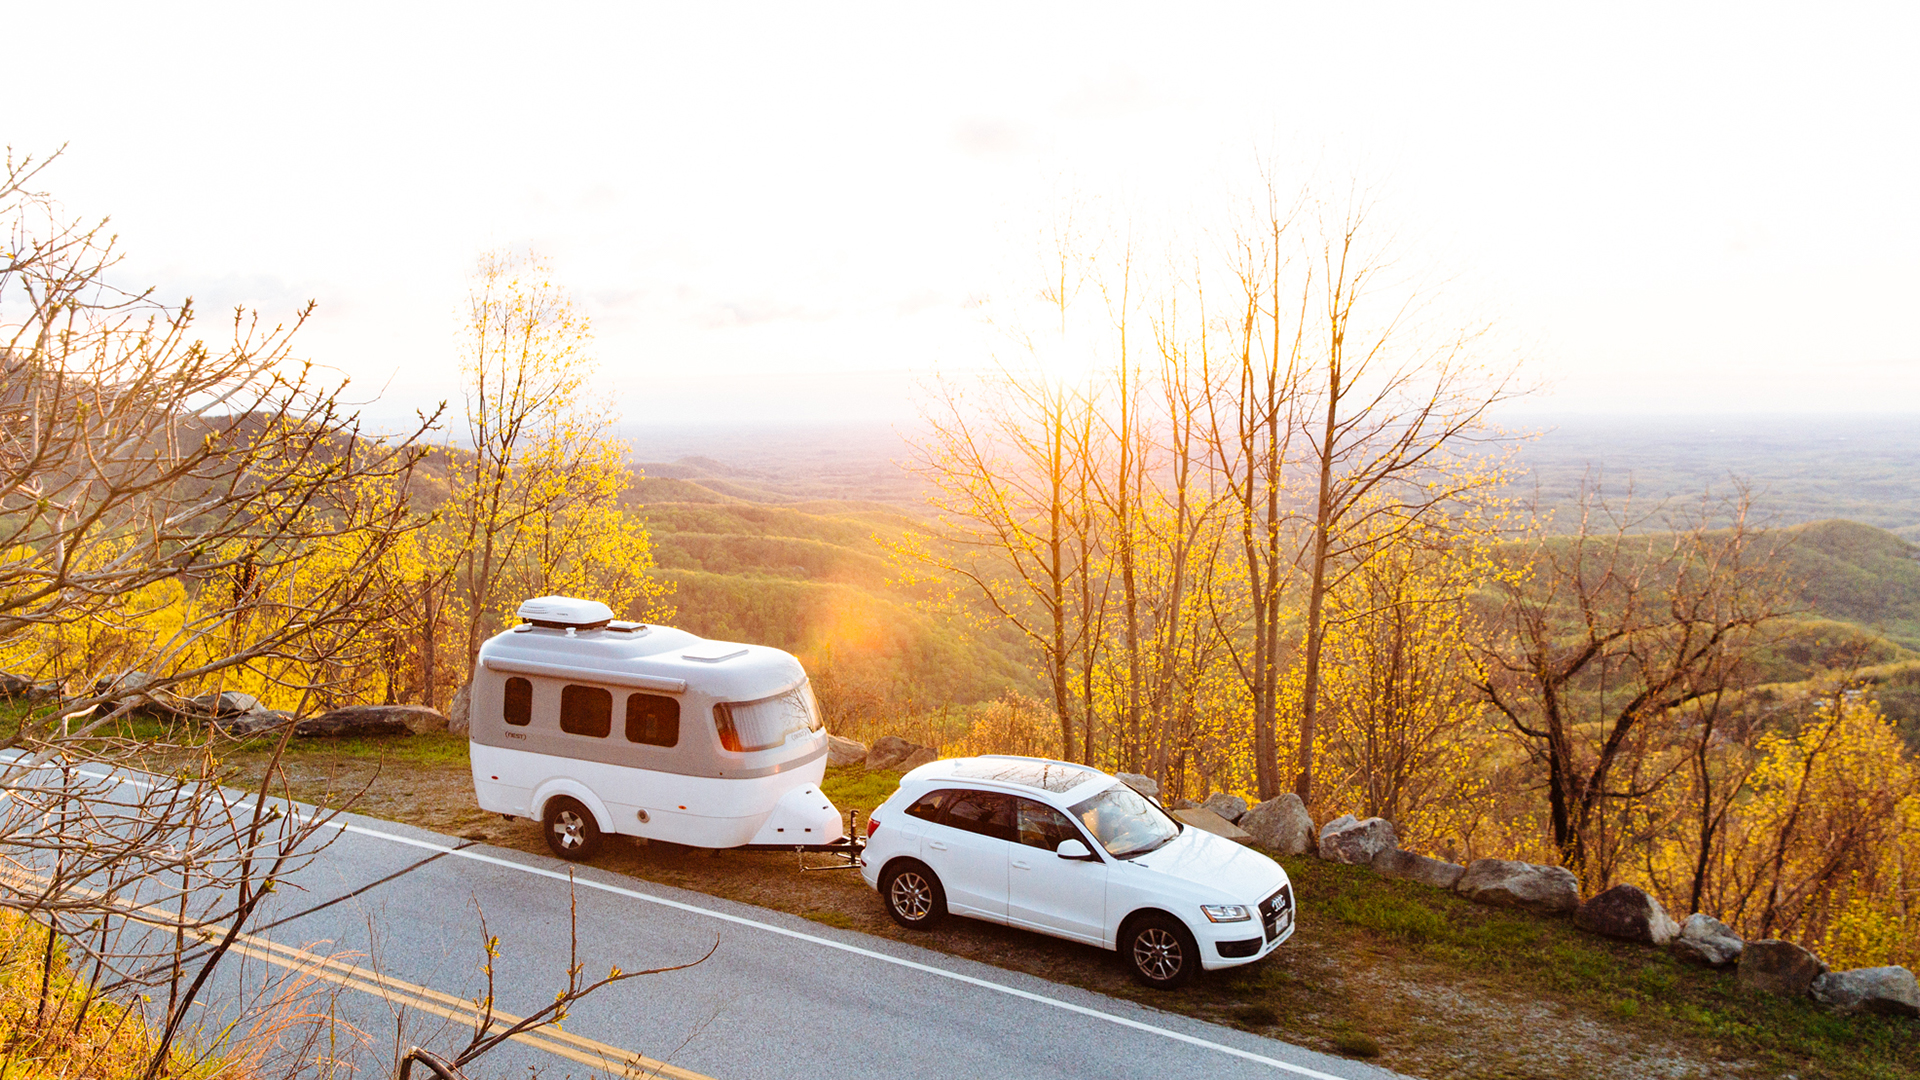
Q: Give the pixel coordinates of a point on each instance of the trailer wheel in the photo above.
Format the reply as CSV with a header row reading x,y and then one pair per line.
x,y
571,831
913,895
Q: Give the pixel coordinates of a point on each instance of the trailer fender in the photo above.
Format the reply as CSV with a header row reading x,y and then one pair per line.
x,y
565,786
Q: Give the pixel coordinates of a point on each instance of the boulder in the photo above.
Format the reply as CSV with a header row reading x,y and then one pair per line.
x,y
1628,913
1207,821
897,754
1405,865
371,720
1890,991
14,686
125,684
1280,824
1182,804
1706,940
225,703
1231,807
1145,785
1347,840
845,751
1548,889
1777,967
258,722
460,711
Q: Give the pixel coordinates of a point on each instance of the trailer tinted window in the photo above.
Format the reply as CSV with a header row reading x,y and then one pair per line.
x,y
764,724
586,710
518,707
653,720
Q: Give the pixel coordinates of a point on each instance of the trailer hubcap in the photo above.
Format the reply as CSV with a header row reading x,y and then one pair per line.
x,y
571,828
912,897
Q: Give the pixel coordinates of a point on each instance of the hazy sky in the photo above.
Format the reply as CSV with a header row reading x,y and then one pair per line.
x,y
785,209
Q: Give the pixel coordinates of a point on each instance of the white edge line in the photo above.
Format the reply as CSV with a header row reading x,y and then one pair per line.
x,y
741,920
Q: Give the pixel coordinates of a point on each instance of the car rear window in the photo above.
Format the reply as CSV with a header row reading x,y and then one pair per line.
x,y
927,807
988,813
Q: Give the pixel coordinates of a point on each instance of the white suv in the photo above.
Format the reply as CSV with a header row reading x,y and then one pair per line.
x,y
1070,851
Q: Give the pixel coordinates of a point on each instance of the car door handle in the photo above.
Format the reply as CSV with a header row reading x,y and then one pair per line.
x,y
1018,865
936,845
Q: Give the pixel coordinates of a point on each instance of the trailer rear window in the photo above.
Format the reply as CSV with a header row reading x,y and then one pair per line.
x,y
517,708
586,710
746,726
653,720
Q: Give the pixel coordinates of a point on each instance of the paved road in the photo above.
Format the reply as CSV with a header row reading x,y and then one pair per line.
x,y
388,914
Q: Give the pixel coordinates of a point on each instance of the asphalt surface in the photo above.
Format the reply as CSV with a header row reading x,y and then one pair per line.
x,y
388,917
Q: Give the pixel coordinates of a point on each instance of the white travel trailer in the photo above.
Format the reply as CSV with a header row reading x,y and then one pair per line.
x,y
595,726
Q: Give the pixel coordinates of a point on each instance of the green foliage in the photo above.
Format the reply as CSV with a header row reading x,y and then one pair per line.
x,y
851,787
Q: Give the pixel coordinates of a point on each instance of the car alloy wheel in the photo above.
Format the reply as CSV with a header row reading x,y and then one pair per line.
x,y
1162,952
913,896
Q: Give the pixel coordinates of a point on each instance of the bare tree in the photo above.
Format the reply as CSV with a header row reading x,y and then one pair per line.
x,y
1606,636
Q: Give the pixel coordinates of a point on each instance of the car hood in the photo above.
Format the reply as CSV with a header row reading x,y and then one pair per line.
x,y
1215,864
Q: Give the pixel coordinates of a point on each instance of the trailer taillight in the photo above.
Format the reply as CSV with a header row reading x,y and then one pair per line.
x,y
872,824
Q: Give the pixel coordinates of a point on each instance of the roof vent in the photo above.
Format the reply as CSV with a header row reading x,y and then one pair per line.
x,y
566,612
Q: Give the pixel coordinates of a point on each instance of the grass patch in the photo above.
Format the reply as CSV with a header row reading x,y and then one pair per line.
x,y
854,788
1642,990
1356,1044
830,918
1255,1016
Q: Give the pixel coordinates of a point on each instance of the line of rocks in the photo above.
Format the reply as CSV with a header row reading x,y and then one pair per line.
x,y
1623,912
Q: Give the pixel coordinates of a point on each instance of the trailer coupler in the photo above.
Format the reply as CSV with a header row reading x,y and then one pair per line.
x,y
846,852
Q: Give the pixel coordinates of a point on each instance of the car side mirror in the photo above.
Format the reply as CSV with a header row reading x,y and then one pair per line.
x,y
1073,849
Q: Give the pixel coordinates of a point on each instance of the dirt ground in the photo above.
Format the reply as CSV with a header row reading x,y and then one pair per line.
x,y
1336,987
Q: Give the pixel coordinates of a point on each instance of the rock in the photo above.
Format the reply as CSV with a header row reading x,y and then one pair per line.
x,y
1890,991
1628,913
1706,940
1207,821
13,686
894,753
845,751
1231,807
1182,804
1548,889
1777,967
371,720
125,684
259,722
1281,824
1345,840
1405,865
460,711
1145,785
224,703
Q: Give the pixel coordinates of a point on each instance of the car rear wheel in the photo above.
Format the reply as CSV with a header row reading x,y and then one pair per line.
x,y
572,833
1160,951
913,895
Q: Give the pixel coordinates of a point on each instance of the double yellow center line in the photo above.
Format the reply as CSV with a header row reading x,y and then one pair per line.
x,y
551,1038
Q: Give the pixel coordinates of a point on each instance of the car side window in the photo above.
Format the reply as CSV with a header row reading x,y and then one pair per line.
x,y
927,807
988,813
1042,826
517,705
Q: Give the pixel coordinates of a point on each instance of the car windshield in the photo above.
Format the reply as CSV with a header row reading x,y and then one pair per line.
x,y
1125,823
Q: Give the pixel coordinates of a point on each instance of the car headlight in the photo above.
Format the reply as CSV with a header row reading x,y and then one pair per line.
x,y
1225,912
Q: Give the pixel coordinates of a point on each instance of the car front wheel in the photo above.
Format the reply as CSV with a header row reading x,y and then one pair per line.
x,y
913,896
572,833
1160,951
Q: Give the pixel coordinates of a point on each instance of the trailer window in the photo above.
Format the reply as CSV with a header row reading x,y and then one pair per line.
x,y
761,725
586,710
518,707
653,720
